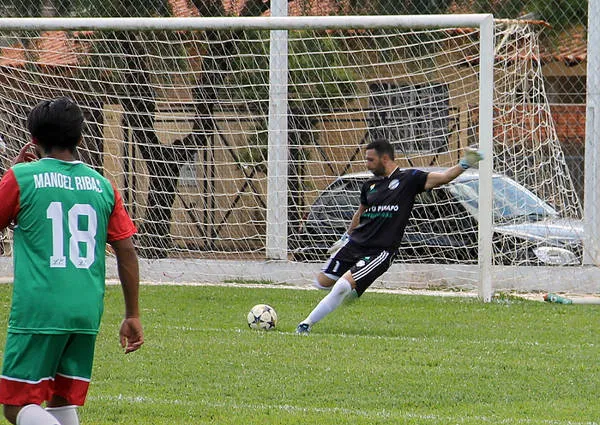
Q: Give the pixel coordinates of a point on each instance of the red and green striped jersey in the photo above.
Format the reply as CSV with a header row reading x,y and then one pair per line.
x,y
64,213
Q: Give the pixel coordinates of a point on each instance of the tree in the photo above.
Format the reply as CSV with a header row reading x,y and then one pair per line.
x,y
394,7
124,56
560,14
129,59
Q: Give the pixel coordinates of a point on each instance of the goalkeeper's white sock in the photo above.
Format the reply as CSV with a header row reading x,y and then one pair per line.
x,y
66,415
332,301
32,414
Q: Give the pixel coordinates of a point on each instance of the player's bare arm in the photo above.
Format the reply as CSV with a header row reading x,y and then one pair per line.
x,y
356,218
131,334
435,179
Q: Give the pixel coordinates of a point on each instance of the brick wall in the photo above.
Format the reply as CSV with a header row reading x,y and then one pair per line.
x,y
569,120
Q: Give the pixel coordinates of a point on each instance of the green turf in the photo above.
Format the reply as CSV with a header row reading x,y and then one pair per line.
x,y
384,359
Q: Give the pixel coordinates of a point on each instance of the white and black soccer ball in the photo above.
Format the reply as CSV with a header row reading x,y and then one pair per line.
x,y
262,317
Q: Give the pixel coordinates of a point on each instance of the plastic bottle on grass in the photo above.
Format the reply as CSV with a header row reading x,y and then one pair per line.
x,y
554,298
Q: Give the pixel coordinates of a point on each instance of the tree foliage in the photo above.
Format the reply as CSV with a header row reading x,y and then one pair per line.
x,y
561,14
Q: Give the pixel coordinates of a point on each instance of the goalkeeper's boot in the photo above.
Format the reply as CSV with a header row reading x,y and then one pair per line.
x,y
303,329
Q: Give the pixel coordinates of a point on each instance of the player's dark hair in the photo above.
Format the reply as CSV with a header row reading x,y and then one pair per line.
x,y
56,123
382,146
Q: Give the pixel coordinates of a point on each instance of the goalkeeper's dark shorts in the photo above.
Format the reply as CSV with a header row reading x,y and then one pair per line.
x,y
365,264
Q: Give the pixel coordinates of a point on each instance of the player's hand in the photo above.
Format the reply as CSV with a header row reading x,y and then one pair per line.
x,y
131,334
338,244
26,154
470,159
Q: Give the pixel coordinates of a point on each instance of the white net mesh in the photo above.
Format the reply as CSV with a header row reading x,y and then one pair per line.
x,y
178,119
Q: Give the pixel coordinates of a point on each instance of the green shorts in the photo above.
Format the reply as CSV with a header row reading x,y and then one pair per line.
x,y
38,366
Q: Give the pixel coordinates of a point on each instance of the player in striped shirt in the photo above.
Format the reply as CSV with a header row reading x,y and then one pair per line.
x,y
63,214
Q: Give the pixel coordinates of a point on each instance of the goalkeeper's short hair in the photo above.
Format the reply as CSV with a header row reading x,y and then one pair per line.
x,y
382,146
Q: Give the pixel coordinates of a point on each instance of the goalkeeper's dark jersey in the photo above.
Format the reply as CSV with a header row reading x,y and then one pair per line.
x,y
389,202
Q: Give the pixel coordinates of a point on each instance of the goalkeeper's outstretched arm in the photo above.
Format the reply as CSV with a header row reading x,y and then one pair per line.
x,y
435,179
470,159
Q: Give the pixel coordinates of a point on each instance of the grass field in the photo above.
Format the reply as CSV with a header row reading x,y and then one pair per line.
x,y
385,359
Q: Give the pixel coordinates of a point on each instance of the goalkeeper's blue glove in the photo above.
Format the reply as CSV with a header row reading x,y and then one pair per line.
x,y
470,159
338,244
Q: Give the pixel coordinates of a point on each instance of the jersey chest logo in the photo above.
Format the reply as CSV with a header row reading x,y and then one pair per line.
x,y
394,184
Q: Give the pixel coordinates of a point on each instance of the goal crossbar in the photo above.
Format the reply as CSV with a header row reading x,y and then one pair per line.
x,y
245,23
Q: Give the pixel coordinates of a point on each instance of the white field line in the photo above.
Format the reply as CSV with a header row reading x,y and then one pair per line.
x,y
436,340
577,298
434,419
401,291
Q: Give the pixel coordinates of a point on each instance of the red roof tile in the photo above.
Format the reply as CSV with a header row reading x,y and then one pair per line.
x,y
183,8
53,48
12,56
572,46
313,8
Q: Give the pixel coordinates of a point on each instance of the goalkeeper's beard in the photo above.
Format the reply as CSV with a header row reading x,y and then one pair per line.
x,y
379,171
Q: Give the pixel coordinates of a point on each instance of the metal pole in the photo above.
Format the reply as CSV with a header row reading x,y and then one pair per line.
x,y
486,145
240,23
277,167
591,206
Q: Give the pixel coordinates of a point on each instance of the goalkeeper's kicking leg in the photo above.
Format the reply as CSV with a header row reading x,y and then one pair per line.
x,y
339,292
359,277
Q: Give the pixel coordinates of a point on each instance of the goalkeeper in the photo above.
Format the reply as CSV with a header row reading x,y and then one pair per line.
x,y
371,243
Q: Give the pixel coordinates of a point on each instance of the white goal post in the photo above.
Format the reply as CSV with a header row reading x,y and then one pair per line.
x,y
223,145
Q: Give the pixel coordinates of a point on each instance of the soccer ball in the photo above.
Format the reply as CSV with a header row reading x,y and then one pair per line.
x,y
262,317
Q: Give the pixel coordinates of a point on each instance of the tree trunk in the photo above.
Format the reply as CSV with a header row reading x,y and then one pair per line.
x,y
163,161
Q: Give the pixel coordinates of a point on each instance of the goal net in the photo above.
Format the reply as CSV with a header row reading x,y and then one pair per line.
x,y
183,118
